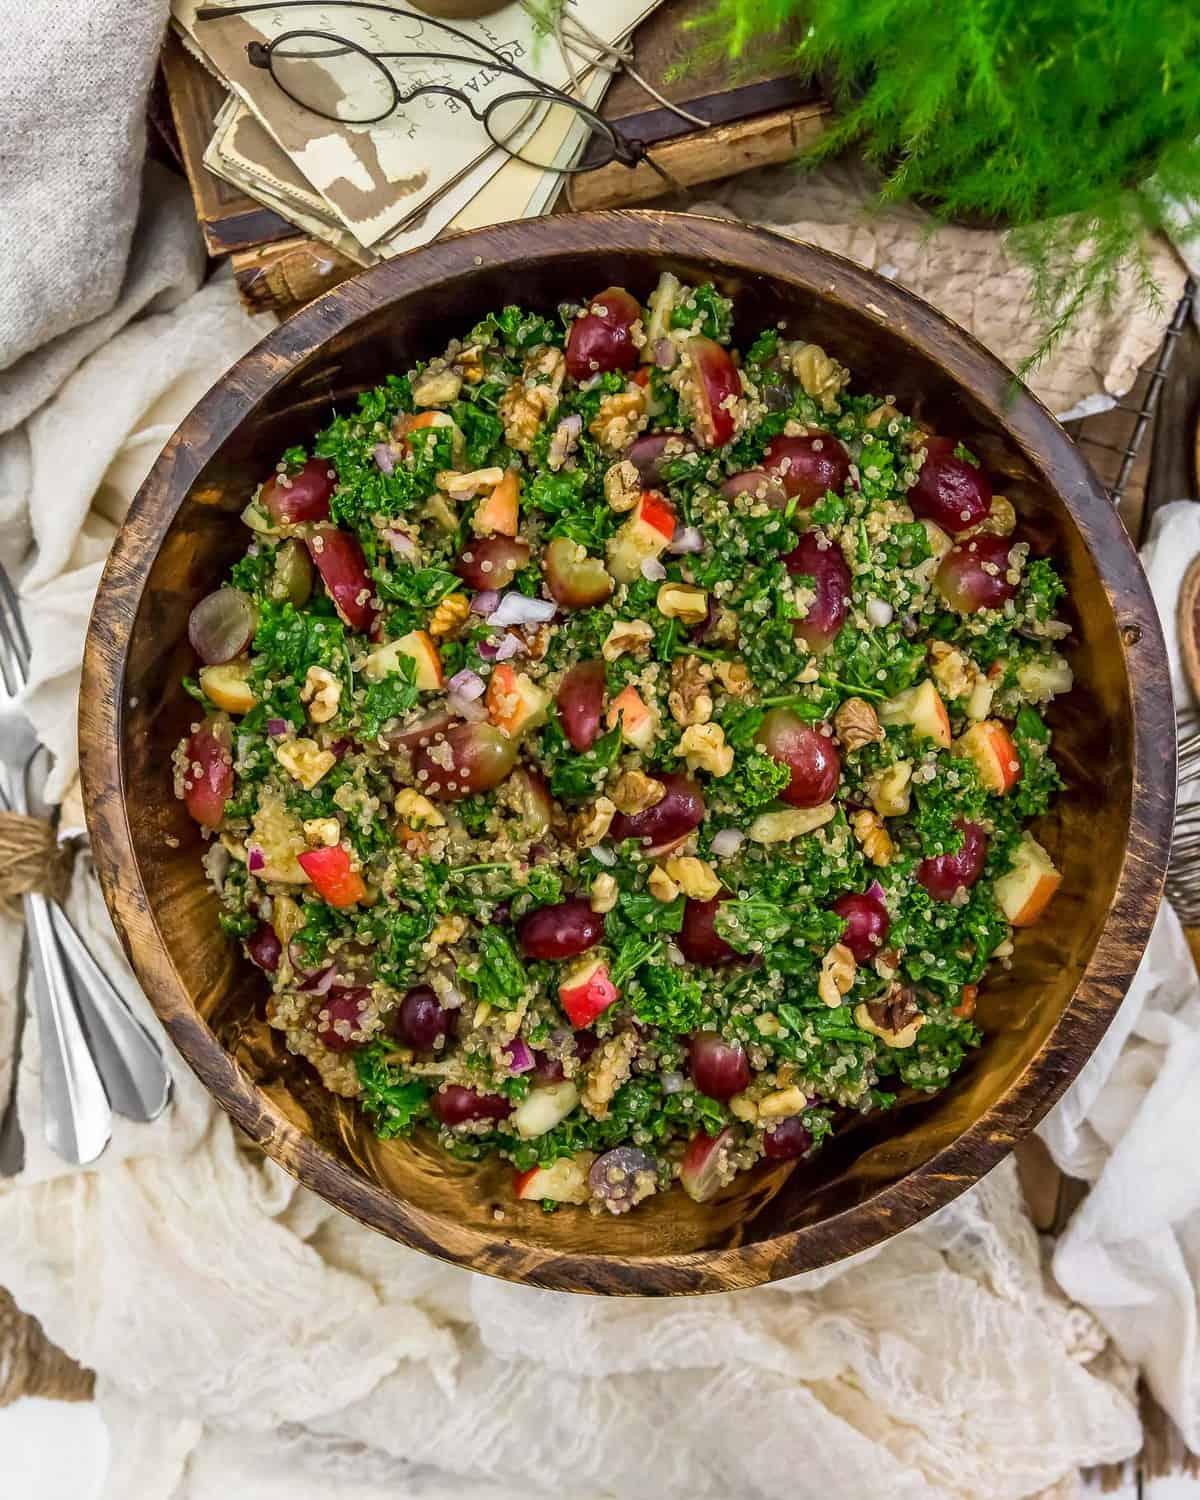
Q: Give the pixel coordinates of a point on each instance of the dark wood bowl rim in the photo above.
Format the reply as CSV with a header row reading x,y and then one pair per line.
x,y
1028,425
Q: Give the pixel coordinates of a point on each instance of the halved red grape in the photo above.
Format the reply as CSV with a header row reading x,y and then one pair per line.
x,y
811,756
698,939
574,578
264,948
867,924
646,454
293,577
759,484
719,1068
303,496
339,1006
343,569
713,386
950,491
601,339
222,625
492,562
480,756
581,703
622,1177
943,874
420,1021
973,574
454,1105
668,821
561,931
786,1139
208,776
703,1170
824,562
535,806
808,466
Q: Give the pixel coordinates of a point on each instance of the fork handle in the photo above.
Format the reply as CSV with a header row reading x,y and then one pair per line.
x,y
76,1116
132,1067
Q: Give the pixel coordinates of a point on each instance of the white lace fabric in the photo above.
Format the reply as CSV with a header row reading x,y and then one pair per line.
x,y
248,1339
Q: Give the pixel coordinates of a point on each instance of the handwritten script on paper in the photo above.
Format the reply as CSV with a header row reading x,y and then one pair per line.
x,y
375,178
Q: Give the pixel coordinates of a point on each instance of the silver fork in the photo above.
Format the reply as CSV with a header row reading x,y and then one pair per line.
x,y
100,1056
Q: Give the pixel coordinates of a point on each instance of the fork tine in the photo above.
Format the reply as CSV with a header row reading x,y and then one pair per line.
x,y
10,605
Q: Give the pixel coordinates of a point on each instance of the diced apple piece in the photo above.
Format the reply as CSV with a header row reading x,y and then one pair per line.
x,y
420,421
417,644
1042,680
702,1171
658,312
228,686
497,515
544,1108
514,702
650,526
921,706
574,579
979,699
1024,893
563,1181
586,991
990,746
639,723
333,875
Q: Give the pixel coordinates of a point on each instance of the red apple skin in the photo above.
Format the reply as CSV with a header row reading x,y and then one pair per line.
x,y
343,568
714,379
601,341
586,992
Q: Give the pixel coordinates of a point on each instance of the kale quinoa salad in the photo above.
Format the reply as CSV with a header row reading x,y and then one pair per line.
x,y
617,748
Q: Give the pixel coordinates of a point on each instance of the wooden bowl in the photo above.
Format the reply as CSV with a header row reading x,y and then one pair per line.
x,y
1109,833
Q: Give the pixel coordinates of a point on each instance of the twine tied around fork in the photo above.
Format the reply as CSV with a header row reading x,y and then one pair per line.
x,y
30,1365
31,859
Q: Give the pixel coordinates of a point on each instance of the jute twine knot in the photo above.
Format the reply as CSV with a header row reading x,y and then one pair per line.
x,y
30,1365
31,859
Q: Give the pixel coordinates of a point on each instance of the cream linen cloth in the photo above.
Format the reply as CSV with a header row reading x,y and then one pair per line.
x,y
248,1339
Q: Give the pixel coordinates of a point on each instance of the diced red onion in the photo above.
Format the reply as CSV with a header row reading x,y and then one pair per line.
x,y
485,601
666,354
876,892
320,982
467,684
520,1058
519,609
400,542
879,612
603,855
278,726
675,955
385,459
727,842
510,646
686,539
466,708
672,1083
653,570
255,860
566,435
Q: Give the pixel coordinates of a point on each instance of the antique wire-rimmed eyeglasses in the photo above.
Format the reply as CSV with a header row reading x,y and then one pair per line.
x,y
341,80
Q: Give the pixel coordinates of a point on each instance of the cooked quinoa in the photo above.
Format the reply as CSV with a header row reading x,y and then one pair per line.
x,y
617,749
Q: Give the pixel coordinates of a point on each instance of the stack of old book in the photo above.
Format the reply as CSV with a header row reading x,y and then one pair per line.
x,y
301,201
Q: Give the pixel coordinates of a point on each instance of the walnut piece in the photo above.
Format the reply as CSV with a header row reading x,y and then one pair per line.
x,y
703,747
952,670
895,1019
450,615
532,398
837,974
884,412
782,1103
607,1071
322,692
590,826
305,761
436,387
448,930
787,823
622,486
626,637
694,877
602,893
635,792
467,486
620,418
414,808
873,837
322,832
820,377
661,886
857,725
689,700
734,678
889,789
683,601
